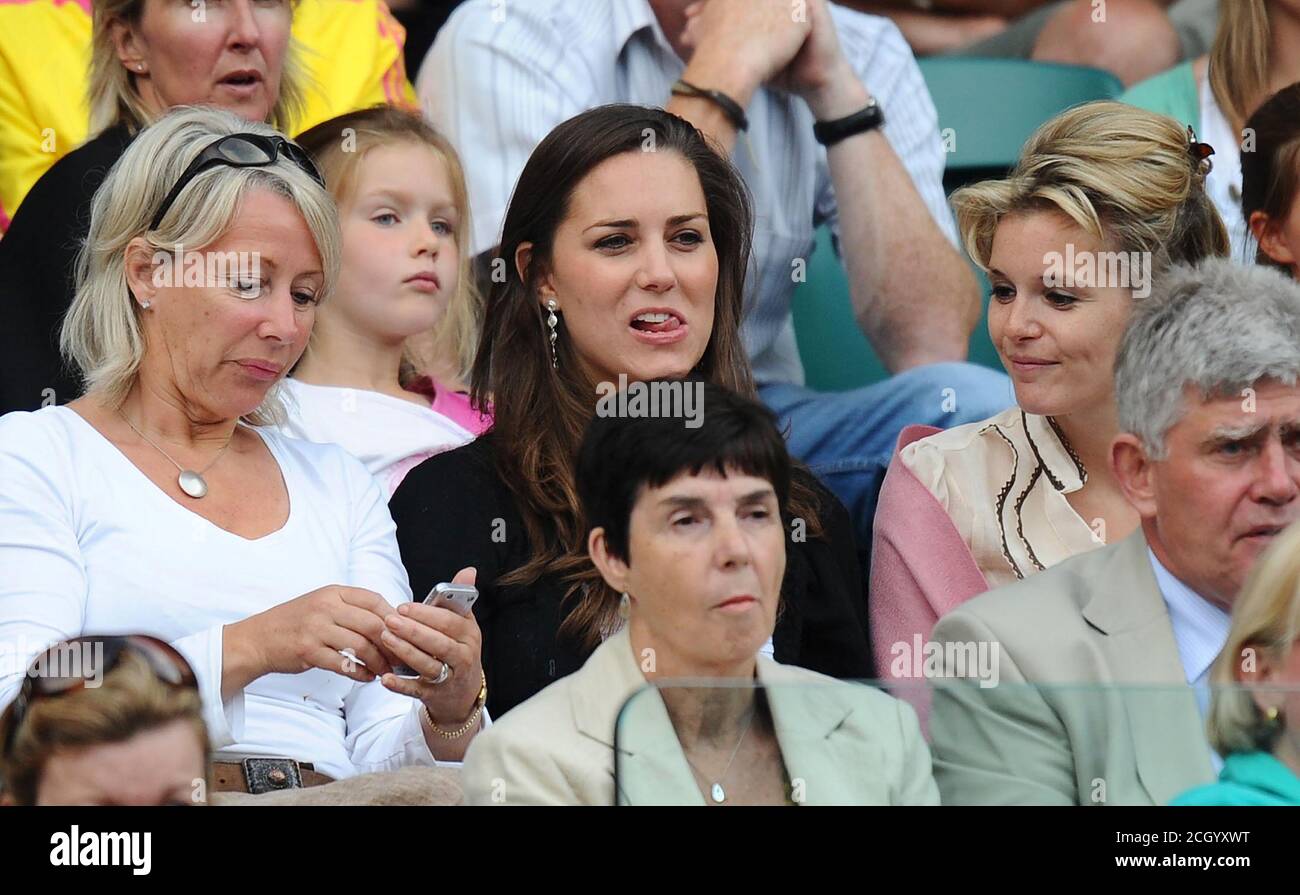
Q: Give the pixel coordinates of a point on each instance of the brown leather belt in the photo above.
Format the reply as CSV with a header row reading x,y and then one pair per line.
x,y
259,775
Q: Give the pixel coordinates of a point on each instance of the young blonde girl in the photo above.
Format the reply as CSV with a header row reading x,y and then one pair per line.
x,y
383,374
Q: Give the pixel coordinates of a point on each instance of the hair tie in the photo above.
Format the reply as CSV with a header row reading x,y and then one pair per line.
x,y
1200,154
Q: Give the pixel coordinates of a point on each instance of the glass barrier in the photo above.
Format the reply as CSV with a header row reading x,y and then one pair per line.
x,y
956,742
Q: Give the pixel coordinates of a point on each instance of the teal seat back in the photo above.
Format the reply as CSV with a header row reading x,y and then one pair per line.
x,y
988,108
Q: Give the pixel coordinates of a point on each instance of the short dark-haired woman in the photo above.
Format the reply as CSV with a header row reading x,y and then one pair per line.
x,y
687,524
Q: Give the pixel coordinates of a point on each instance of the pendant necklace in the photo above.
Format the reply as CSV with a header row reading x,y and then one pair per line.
x,y
716,792
190,481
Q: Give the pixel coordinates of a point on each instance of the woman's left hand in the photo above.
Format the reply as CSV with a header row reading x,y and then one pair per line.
x,y
424,637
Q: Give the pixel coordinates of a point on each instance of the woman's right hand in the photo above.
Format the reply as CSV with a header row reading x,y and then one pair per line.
x,y
311,631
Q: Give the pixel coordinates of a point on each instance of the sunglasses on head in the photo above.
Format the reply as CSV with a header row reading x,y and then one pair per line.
x,y
239,151
70,664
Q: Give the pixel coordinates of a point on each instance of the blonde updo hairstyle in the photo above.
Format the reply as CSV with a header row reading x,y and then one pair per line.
x,y
101,334
1126,176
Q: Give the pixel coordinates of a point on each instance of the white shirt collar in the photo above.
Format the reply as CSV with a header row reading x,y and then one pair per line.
x,y
1200,627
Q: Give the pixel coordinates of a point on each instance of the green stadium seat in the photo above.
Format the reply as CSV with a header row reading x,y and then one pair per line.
x,y
989,107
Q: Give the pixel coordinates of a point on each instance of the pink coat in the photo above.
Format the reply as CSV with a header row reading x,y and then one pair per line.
x,y
920,569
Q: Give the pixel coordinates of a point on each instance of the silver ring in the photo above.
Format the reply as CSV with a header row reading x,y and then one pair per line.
x,y
442,675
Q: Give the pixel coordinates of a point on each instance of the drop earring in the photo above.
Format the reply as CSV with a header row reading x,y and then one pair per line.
x,y
552,321
625,606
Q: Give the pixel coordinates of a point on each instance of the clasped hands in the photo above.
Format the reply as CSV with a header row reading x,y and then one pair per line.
x,y
793,47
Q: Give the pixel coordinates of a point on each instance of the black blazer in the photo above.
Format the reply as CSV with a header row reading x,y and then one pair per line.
x,y
38,273
453,510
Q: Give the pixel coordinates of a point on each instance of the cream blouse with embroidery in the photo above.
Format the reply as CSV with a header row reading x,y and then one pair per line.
x,y
1003,482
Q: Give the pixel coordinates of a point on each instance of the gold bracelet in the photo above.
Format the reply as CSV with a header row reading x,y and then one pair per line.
x,y
469,722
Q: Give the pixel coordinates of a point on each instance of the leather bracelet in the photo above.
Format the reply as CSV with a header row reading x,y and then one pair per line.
x,y
732,109
870,117
469,722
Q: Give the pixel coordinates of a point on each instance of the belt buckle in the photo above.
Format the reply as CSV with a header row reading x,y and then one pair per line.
x,y
271,774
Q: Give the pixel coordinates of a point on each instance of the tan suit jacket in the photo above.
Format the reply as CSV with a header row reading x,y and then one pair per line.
x,y
1096,619
842,743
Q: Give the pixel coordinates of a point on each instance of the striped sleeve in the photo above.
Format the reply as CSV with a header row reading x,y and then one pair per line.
x,y
495,88
881,57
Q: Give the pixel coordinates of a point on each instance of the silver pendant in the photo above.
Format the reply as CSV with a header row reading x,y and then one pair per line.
x,y
718,795
192,483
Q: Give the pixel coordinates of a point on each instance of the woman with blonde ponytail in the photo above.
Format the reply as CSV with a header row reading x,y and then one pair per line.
x,y
1104,198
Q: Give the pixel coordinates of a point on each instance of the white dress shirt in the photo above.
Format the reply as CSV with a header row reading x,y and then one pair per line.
x,y
1200,630
91,546
500,77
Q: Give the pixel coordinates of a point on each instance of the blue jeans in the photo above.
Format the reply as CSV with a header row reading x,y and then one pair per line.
x,y
847,438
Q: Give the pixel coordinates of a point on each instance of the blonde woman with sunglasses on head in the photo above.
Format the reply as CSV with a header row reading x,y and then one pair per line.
x,y
164,500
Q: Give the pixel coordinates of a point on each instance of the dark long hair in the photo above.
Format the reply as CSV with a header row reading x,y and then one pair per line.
x,y
541,413
1270,176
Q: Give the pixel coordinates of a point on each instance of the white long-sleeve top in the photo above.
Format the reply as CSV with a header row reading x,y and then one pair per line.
x,y
89,545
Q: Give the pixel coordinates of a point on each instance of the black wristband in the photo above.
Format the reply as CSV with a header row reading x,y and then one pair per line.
x,y
828,133
732,109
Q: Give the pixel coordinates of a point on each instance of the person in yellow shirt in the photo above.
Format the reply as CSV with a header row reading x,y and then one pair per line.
x,y
292,63
350,54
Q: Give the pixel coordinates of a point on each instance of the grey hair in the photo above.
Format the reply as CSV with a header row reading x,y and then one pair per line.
x,y
1219,327
101,334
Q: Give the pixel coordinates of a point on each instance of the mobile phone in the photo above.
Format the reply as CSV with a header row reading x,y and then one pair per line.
x,y
456,597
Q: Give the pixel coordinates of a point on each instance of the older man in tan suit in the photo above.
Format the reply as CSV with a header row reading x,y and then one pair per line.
x,y
1102,660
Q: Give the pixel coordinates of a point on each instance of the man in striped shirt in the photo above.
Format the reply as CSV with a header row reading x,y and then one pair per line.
x,y
503,73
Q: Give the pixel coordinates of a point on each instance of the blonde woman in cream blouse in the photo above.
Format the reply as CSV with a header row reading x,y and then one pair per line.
x,y
987,503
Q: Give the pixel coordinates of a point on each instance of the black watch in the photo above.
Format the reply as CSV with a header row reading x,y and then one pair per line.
x,y
828,133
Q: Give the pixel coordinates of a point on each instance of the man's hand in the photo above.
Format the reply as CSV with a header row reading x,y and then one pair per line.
x,y
798,50
819,73
739,45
